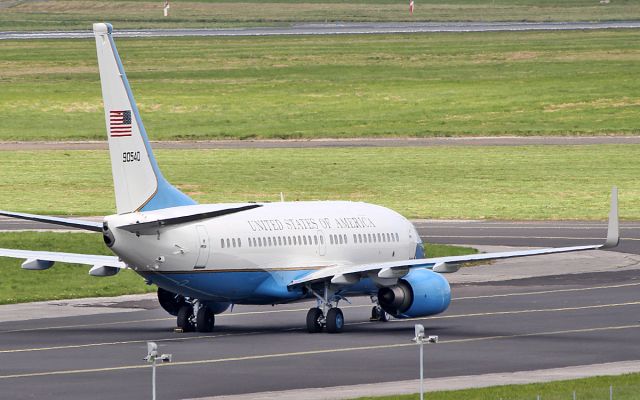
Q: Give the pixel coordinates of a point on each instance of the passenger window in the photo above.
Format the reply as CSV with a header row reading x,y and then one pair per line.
x,y
260,242
305,240
233,242
321,239
397,237
340,238
222,243
346,238
228,243
315,240
355,238
289,240
331,239
239,243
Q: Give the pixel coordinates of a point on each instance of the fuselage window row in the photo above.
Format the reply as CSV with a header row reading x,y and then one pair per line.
x,y
306,240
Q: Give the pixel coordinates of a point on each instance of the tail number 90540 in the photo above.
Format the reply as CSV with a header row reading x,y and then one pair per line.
x,y
130,156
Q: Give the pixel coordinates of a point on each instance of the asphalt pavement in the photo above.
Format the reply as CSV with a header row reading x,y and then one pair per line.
x,y
337,29
512,325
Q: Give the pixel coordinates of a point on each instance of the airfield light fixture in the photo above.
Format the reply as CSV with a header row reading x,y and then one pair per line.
x,y
152,358
420,339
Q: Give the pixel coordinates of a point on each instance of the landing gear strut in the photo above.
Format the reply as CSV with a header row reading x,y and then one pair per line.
x,y
326,315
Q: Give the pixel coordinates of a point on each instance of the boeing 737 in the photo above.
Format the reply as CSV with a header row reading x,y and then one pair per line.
x,y
206,258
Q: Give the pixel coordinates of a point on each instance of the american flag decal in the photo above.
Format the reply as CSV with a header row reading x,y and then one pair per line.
x,y
120,123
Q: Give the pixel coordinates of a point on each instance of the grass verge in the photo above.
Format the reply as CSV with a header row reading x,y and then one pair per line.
x,y
62,281
65,281
524,182
80,14
625,387
420,85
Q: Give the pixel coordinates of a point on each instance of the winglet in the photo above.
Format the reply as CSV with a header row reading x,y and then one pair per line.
x,y
613,232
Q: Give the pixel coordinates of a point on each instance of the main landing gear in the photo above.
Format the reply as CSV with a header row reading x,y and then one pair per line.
x,y
195,317
377,313
326,315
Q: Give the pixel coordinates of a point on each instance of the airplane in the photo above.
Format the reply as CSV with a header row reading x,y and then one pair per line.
x,y
205,258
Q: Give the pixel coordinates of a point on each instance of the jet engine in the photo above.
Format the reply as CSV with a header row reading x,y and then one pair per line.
x,y
170,302
420,293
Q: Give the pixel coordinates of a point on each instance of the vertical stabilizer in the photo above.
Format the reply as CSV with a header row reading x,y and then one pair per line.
x,y
138,182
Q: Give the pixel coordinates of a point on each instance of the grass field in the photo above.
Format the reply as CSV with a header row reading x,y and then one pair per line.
x,y
528,83
65,281
529,182
625,387
80,14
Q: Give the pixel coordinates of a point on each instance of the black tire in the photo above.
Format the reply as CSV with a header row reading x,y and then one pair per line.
x,y
184,318
313,320
335,320
205,320
375,313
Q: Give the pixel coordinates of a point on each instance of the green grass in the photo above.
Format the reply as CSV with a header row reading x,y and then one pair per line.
x,y
443,250
625,387
528,83
80,14
64,281
528,182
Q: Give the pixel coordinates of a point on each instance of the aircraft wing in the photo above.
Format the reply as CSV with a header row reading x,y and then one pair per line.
x,y
38,260
72,223
397,269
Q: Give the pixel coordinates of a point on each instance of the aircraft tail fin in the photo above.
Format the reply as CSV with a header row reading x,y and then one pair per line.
x,y
138,182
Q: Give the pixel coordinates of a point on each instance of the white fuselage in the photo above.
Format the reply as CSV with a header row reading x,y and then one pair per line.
x,y
274,236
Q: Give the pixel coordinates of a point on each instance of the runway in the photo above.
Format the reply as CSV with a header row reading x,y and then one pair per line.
x,y
329,143
338,29
516,325
555,314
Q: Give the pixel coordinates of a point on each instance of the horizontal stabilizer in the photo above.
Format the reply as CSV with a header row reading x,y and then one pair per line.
x,y
150,228
71,223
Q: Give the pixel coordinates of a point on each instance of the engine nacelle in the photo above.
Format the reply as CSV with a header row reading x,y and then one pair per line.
x,y
420,293
170,302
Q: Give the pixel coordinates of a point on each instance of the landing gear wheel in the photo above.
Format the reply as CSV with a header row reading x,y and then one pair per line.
x,y
335,320
185,318
378,314
314,317
205,320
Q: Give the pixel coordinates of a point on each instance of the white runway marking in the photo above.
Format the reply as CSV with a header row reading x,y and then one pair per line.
x,y
315,352
185,338
44,328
